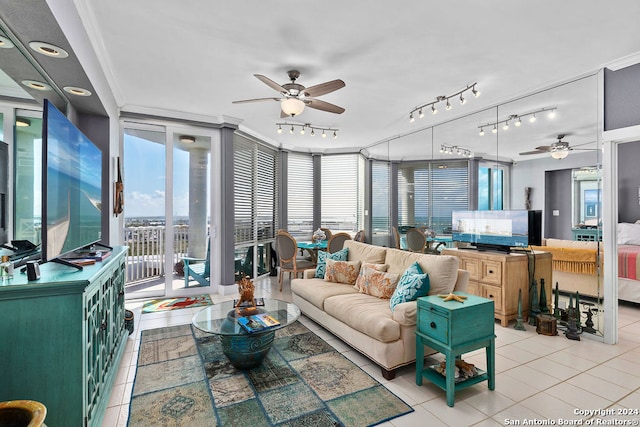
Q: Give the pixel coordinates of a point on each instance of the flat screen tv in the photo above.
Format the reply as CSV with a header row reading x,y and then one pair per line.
x,y
497,230
71,187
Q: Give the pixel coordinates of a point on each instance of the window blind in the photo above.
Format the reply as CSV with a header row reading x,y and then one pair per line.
x,y
342,192
380,213
300,194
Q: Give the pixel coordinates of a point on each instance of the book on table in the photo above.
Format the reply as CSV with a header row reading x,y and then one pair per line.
x,y
258,322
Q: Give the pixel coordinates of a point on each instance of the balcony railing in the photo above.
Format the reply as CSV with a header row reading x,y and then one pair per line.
x,y
146,256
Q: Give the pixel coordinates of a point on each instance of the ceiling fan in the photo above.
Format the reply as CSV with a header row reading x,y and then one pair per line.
x,y
295,96
559,149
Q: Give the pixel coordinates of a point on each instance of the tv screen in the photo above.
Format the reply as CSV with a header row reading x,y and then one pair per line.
x,y
72,187
494,229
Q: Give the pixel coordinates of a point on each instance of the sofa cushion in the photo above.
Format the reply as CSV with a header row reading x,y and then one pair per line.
x,y
364,252
342,271
377,283
315,291
341,255
366,314
412,285
442,269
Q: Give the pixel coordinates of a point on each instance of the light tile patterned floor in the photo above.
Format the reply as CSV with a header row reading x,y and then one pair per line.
x,y
538,378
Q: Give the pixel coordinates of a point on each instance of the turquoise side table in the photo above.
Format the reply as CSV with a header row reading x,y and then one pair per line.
x,y
454,328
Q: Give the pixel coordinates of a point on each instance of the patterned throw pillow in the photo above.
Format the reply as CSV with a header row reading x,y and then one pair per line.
x,y
412,285
360,280
378,283
342,271
341,255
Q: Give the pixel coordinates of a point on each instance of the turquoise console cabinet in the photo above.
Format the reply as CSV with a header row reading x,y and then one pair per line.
x,y
62,338
454,328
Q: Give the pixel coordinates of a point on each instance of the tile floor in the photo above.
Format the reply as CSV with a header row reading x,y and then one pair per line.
x,y
540,380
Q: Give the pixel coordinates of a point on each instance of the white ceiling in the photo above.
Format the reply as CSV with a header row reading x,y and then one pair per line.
x,y
198,57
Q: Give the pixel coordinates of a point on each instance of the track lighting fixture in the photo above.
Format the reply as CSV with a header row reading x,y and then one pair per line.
x,y
445,99
455,150
516,119
307,126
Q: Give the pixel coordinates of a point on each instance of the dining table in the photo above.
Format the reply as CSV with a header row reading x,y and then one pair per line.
x,y
312,247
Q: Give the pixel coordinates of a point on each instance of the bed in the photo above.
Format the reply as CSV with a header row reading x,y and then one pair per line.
x,y
629,261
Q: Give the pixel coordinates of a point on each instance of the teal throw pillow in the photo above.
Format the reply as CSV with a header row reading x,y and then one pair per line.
x,y
412,285
341,255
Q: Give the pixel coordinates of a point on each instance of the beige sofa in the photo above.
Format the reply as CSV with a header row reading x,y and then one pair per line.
x,y
574,265
366,322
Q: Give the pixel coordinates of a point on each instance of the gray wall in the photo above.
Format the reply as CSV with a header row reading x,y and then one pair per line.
x,y
557,186
533,173
622,97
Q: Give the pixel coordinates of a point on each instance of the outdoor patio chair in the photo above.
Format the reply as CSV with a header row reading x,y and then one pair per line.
x,y
360,236
197,268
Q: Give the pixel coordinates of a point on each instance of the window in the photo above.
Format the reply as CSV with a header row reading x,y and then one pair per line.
x,y
300,194
255,195
342,192
490,188
380,213
429,191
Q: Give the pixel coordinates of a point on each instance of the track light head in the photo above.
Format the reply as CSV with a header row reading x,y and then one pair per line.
x,y
518,123
481,132
462,100
279,129
475,92
434,110
532,119
420,113
448,106
495,129
411,118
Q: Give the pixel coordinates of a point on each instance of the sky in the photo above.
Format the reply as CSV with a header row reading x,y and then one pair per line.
x,y
144,179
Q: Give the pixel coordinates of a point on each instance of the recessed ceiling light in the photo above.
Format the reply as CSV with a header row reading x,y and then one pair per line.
x,y
77,91
48,49
5,43
22,122
34,84
187,139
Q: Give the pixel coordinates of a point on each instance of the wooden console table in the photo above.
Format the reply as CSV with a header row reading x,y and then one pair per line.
x,y
498,276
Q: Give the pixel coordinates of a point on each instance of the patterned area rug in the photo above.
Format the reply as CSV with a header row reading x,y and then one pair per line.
x,y
184,379
176,303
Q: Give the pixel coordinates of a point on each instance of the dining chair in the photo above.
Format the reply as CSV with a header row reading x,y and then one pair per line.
x,y
287,249
416,240
360,236
336,242
396,237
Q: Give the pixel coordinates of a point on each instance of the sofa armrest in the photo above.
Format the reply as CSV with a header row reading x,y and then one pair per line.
x,y
309,274
462,282
406,313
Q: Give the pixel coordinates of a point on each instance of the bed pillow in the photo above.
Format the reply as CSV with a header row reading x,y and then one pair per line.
x,y
412,285
342,271
341,255
377,283
628,234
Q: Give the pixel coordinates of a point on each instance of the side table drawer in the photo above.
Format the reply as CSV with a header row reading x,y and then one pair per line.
x,y
434,325
491,272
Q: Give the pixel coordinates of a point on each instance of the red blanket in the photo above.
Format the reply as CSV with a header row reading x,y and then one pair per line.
x,y
628,261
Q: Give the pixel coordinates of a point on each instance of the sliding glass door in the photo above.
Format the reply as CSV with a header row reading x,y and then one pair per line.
x,y
168,222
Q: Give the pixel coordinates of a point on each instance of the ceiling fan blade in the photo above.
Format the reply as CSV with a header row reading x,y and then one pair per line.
x,y
324,106
324,88
544,148
271,83
526,153
243,101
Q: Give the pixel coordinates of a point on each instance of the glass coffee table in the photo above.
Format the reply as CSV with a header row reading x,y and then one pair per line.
x,y
243,349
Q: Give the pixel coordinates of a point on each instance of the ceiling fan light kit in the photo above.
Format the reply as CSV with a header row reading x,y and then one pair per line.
x,y
445,99
517,119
